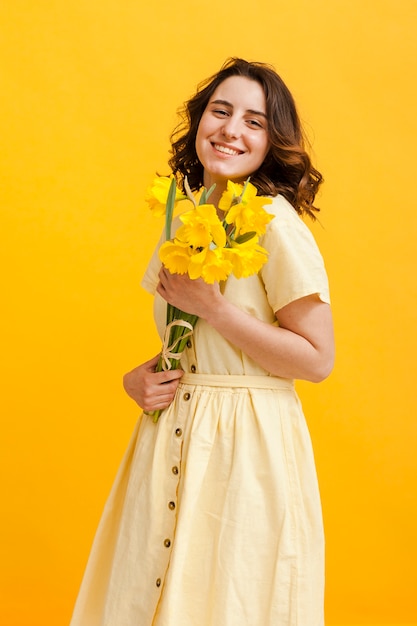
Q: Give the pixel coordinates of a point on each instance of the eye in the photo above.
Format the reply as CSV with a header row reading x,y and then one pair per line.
x,y
220,112
255,123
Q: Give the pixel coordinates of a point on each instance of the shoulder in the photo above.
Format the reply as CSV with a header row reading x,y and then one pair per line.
x,y
281,206
289,242
295,266
287,223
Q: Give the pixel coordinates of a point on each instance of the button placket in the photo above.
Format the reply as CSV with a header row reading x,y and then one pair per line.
x,y
173,468
191,356
170,516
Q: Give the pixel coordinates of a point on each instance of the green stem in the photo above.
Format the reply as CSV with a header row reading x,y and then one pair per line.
x,y
176,332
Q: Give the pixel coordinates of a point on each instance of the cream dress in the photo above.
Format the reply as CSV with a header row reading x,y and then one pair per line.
x,y
214,518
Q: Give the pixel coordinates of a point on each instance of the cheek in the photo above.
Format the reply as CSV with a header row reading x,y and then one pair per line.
x,y
205,130
199,139
263,149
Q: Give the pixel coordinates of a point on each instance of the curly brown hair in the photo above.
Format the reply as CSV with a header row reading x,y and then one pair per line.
x,y
286,170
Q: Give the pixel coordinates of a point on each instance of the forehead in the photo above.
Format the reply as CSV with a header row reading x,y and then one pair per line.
x,y
241,91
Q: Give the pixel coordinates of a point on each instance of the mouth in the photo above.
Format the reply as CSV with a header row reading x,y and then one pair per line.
x,y
226,150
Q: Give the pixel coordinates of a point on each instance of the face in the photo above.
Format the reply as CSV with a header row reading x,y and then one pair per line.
x,y
232,138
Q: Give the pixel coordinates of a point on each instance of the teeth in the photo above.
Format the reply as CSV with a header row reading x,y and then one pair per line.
x,y
226,150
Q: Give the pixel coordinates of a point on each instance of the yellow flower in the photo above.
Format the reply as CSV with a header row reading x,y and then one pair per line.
x,y
217,266
210,265
248,214
157,195
247,258
175,256
244,209
247,218
201,226
249,197
197,261
231,195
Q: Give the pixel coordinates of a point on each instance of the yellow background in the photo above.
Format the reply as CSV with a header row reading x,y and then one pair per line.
x,y
89,91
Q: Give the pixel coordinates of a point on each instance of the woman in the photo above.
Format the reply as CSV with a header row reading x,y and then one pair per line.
x,y
215,519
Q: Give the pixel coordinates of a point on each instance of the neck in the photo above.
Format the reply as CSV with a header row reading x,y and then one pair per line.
x,y
216,194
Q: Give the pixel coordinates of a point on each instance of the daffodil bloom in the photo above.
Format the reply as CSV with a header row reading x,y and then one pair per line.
x,y
244,209
201,226
176,256
248,218
248,213
157,195
217,266
210,265
232,195
247,258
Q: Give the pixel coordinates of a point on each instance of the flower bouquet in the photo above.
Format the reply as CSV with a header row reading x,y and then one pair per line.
x,y
206,246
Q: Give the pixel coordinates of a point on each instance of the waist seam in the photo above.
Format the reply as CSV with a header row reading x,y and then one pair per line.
x,y
233,380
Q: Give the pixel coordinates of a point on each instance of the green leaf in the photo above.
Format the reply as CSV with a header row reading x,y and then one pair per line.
x,y
209,192
205,194
244,187
170,208
245,237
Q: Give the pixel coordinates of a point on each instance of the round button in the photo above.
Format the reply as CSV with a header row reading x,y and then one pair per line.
x,y
158,582
171,505
178,432
187,396
175,470
189,343
167,543
193,369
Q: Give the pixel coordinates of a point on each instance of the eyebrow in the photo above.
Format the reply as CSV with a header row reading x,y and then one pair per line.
x,y
229,104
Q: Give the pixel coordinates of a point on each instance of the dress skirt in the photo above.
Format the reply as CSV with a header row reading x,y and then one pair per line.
x,y
214,518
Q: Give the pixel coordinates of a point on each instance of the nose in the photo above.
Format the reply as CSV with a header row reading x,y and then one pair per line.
x,y
231,128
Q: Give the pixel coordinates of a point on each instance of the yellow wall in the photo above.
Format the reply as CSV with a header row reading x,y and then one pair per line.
x,y
88,95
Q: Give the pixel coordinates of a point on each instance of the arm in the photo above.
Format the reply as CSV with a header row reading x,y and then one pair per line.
x,y
301,347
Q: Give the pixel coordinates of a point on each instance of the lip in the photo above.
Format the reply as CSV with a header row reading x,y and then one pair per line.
x,y
228,150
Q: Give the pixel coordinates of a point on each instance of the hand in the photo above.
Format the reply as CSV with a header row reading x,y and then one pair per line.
x,y
149,389
192,296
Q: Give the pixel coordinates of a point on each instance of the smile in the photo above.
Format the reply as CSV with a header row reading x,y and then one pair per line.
x,y
226,150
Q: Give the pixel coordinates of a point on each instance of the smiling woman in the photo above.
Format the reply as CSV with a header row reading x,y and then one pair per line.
x,y
232,138
215,516
287,168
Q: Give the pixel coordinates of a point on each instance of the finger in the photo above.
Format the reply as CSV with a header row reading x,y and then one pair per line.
x,y
167,376
162,382
161,290
163,275
158,402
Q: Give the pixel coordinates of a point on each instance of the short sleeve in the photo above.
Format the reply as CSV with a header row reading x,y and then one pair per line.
x,y
295,267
